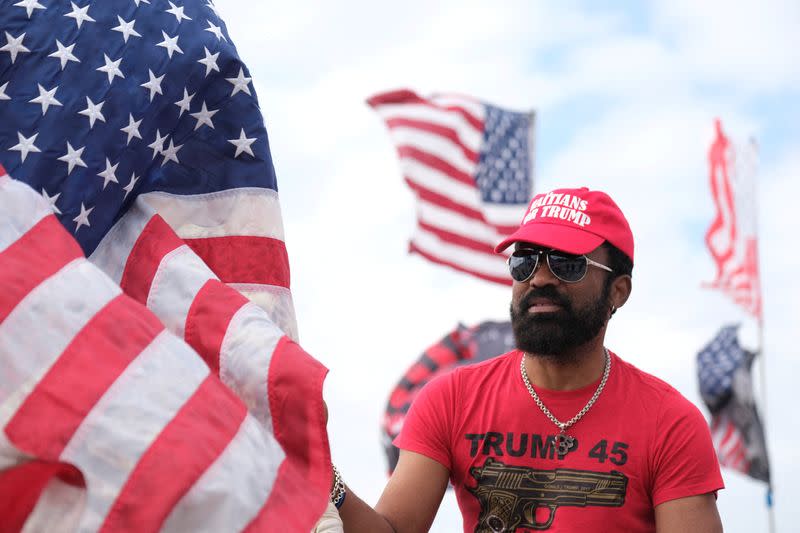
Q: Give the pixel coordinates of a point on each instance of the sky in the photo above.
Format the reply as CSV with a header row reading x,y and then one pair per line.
x,y
625,96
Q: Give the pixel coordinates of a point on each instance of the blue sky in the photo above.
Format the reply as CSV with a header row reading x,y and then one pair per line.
x,y
625,95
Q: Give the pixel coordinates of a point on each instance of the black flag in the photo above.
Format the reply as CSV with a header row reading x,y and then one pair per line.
x,y
464,345
723,370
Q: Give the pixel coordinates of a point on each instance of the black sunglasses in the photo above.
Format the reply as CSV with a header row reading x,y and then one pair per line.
x,y
566,267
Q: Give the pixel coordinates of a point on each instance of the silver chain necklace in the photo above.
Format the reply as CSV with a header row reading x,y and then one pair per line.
x,y
563,441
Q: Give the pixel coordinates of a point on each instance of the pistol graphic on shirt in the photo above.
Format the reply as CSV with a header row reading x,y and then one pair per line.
x,y
510,495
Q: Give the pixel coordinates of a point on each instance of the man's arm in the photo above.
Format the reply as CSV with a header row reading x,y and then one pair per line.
x,y
695,513
408,503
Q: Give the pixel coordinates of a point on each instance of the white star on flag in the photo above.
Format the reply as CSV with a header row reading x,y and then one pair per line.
x,y
93,111
46,98
14,46
25,145
132,129
126,28
3,95
242,144
240,82
80,14
216,30
183,103
210,61
158,145
131,184
111,68
145,1
52,201
178,12
72,158
170,153
109,174
64,53
204,116
83,218
154,85
170,43
30,5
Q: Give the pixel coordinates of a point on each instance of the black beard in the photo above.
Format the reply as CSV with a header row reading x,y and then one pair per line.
x,y
555,334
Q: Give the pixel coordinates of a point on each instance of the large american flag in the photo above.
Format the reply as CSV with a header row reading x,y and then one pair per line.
x,y
156,385
723,371
732,237
470,165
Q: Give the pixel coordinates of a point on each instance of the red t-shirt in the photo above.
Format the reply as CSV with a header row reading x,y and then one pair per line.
x,y
641,444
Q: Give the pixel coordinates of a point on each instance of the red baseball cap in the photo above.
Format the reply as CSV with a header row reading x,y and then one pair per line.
x,y
573,220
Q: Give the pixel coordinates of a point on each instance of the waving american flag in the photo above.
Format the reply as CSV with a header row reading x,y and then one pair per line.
x,y
470,165
135,125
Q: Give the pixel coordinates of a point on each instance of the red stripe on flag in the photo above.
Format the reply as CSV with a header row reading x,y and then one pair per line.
x,y
21,267
459,240
183,451
446,202
156,240
443,201
295,401
244,259
21,486
95,358
437,129
436,163
412,248
208,319
404,96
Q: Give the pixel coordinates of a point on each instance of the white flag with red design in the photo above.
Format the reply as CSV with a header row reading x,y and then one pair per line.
x,y
732,238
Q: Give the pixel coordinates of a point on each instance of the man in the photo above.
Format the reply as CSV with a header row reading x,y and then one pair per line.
x,y
560,434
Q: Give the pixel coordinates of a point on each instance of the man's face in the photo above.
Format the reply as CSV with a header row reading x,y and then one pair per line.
x,y
550,317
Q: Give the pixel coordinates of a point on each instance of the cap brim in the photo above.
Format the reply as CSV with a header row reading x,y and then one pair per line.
x,y
562,238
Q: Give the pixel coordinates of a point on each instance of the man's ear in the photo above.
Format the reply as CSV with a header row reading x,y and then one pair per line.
x,y
620,290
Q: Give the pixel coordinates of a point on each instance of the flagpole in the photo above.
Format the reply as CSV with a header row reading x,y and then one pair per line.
x,y
762,365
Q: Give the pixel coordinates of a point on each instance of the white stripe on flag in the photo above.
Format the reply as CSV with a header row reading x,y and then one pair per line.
x,y
441,147
474,107
467,133
19,332
483,263
180,276
126,420
440,183
111,255
58,510
454,222
276,301
21,210
245,356
246,211
236,485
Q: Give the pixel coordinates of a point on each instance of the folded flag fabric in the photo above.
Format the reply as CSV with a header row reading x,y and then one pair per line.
x,y
470,165
137,126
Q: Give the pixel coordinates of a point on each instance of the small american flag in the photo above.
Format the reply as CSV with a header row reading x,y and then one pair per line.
x,y
723,371
732,237
470,165
137,126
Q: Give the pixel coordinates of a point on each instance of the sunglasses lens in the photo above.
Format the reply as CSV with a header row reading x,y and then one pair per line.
x,y
522,266
569,268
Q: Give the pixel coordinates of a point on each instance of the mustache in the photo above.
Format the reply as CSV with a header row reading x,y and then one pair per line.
x,y
548,292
